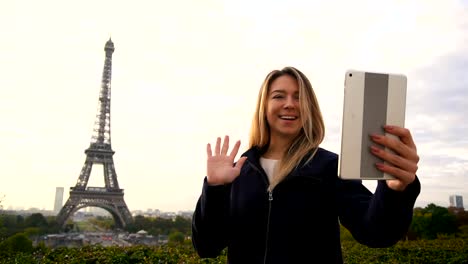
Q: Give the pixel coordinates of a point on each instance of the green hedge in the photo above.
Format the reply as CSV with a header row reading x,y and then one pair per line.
x,y
452,250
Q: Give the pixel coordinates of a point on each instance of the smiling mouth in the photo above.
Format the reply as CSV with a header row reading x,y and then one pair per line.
x,y
288,117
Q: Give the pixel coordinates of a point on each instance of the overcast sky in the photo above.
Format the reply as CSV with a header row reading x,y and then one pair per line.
x,y
185,72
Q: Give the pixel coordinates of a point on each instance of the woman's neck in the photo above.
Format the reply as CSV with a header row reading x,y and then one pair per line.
x,y
276,149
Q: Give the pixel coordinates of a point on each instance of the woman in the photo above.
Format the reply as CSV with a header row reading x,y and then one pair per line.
x,y
282,201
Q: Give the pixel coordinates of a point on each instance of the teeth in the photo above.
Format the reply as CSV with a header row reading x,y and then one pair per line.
x,y
288,117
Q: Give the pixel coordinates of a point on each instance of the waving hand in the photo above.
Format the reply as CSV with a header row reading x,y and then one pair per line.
x,y
220,165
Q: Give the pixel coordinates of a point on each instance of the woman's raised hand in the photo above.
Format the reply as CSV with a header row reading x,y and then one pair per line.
x,y
220,166
404,163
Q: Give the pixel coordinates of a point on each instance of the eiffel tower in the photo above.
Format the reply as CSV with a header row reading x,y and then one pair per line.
x,y
110,197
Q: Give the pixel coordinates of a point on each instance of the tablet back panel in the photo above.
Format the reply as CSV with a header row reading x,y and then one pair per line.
x,y
371,100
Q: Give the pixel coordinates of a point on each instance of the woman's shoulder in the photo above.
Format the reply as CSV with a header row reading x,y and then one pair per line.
x,y
319,163
320,159
325,155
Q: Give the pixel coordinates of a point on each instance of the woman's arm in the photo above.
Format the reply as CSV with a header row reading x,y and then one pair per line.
x,y
382,219
379,219
210,220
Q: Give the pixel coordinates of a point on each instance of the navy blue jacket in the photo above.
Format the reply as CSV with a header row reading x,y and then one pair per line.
x,y
299,221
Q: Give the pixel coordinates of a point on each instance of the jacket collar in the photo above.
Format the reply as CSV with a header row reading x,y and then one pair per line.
x,y
253,155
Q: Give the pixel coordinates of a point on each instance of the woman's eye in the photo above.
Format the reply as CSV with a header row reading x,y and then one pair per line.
x,y
277,96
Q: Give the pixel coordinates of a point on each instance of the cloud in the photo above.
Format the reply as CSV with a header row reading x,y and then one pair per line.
x,y
186,72
439,102
438,110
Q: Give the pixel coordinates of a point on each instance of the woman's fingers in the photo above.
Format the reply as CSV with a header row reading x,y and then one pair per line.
x,y
402,177
402,161
220,168
235,149
222,151
398,146
208,150
240,162
398,161
403,133
217,147
225,148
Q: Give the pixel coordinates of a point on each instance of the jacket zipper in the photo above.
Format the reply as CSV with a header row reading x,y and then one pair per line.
x,y
270,198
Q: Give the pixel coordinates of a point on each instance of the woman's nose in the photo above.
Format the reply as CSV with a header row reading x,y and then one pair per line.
x,y
289,102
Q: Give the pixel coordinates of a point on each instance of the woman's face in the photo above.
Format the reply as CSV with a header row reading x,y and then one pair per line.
x,y
283,112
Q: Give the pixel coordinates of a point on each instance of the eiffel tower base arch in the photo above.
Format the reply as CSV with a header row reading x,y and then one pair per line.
x,y
112,202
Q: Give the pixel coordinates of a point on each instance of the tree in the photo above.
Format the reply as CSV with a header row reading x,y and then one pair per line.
x,y
183,225
460,214
432,221
2,229
36,220
53,225
17,243
10,225
176,238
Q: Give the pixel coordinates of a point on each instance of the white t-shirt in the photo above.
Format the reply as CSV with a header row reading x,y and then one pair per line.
x,y
269,166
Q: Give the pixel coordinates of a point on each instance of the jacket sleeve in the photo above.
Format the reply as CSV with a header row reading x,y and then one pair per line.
x,y
210,220
379,219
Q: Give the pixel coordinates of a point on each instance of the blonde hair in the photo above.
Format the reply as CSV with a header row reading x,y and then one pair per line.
x,y
311,134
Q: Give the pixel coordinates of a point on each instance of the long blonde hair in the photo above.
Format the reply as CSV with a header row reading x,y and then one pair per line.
x,y
311,134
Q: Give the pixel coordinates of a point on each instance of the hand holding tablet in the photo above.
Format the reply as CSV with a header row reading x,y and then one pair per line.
x,y
371,101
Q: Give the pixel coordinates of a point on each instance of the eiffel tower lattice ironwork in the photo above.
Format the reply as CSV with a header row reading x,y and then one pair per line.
x,y
110,197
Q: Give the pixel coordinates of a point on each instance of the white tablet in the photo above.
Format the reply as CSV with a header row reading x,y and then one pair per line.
x,y
371,100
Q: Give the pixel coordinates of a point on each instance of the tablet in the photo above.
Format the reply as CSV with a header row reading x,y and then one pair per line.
x,y
371,100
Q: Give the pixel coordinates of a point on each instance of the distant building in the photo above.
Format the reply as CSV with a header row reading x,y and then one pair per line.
x,y
456,201
58,200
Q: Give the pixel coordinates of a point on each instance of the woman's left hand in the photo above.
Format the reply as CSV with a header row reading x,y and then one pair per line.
x,y
404,163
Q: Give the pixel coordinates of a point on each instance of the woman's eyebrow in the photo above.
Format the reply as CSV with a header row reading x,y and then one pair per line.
x,y
278,91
